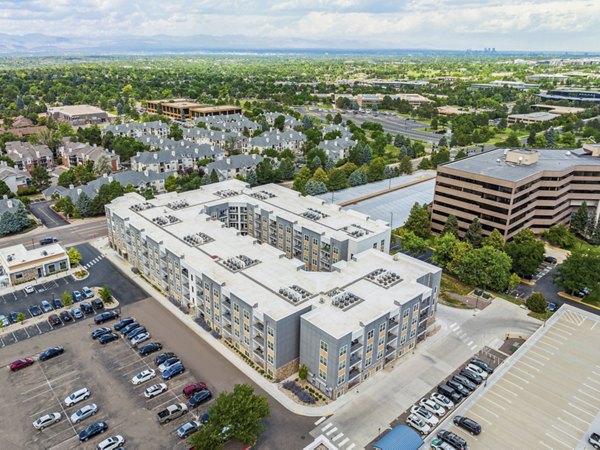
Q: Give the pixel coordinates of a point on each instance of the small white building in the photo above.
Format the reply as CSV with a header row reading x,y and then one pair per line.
x,y
20,265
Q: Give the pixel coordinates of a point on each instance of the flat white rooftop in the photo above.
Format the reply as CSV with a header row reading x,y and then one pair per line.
x,y
17,256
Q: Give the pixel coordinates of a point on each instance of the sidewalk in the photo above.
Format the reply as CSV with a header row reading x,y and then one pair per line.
x,y
39,281
270,387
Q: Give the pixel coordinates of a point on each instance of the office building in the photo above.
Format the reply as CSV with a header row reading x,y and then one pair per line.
x,y
79,114
510,190
284,279
20,264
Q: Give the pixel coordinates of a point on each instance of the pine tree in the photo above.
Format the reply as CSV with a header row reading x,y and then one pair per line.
x,y
314,187
451,225
406,165
214,177
251,178
418,221
580,219
473,234
84,205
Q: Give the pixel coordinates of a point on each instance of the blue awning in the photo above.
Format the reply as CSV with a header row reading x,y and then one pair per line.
x,y
401,437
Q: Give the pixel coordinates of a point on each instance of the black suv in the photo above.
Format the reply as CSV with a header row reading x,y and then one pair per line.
x,y
106,316
458,387
97,304
468,424
123,323
453,439
48,240
150,348
92,430
87,308
482,365
449,392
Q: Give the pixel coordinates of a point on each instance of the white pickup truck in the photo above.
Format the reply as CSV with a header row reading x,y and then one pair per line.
x,y
172,412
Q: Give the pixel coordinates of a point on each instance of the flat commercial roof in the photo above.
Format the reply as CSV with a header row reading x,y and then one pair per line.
x,y
538,116
547,395
76,110
220,108
492,164
17,256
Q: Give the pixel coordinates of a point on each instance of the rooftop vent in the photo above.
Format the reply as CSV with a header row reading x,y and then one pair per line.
x,y
239,262
294,294
227,193
343,299
356,230
384,278
314,214
141,206
178,204
197,239
263,195
165,220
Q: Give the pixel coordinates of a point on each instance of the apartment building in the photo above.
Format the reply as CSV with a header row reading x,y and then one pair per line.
x,y
78,153
284,279
223,139
180,156
510,190
278,140
155,128
14,177
234,165
29,156
338,148
230,122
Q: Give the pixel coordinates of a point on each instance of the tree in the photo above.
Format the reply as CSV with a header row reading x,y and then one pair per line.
x,y
337,119
473,234
580,219
460,154
440,157
451,225
560,236
301,179
175,132
84,205
74,256
450,251
302,372
425,164
358,177
65,204
580,270
375,170
536,302
251,178
495,240
526,252
15,220
21,317
242,411
485,267
285,171
279,122
337,179
102,165
213,177
406,165
513,281
411,243
418,221
105,294
171,183
67,299
360,154
5,190
513,140
531,140
40,179
315,187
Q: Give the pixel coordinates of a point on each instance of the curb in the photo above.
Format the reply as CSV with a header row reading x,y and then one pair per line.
x,y
576,300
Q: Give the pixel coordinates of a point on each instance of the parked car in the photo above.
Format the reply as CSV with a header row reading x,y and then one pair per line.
x,y
84,412
123,323
442,400
133,333
35,310
87,292
138,339
550,260
432,407
48,240
146,349
128,328
466,382
163,357
200,397
54,320
106,338
594,440
425,415
13,315
20,364
52,352
97,304
77,396
168,363
100,332
87,308
29,289
471,376
459,387
552,307
112,443
77,297
453,439
188,428
76,313
143,376
92,430
57,303
172,412
483,365
447,391
4,321
47,420
65,316
105,317
191,389
204,418
418,424
155,389
468,424
173,371
438,444
46,306
478,370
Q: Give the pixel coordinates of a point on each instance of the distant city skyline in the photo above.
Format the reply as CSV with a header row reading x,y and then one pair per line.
x,y
527,25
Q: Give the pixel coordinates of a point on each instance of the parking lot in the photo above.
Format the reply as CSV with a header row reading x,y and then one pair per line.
x,y
104,369
548,395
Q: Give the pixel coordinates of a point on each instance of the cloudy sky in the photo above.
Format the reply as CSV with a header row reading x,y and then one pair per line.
x,y
571,25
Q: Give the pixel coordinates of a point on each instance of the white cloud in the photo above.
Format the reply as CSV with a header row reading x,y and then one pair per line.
x,y
556,24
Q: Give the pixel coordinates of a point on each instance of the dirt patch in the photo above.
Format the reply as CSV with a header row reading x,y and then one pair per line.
x,y
511,345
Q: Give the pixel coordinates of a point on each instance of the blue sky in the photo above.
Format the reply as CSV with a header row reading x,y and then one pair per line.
x,y
432,24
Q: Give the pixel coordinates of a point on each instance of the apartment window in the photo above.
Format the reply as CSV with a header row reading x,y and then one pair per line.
x,y
343,350
269,359
405,313
342,365
246,340
315,241
412,333
270,331
270,345
368,361
237,333
236,319
323,360
306,238
404,326
415,307
324,346
246,328
246,314
382,327
236,307
414,320
375,245
379,354
370,334
341,379
63,265
369,348
322,375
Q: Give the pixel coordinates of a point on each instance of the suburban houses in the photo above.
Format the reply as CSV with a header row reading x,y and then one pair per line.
x,y
177,155
338,148
156,128
78,153
234,165
278,140
232,122
28,156
14,177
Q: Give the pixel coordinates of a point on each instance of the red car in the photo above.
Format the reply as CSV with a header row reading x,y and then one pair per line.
x,y
190,390
20,364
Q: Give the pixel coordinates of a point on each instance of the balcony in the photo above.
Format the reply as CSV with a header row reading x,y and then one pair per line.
x,y
393,323
258,325
259,339
227,317
227,329
353,375
356,345
354,360
259,352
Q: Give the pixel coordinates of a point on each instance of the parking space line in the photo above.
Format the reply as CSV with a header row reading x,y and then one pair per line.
x,y
507,390
322,419
57,399
558,440
63,442
594,326
565,433
550,345
500,396
593,381
529,365
337,437
571,425
480,416
546,445
462,433
34,396
494,403
351,447
541,356
524,371
517,376
582,410
510,382
552,339
562,324
554,332
333,430
576,417
487,410
590,387
594,397
38,327
342,443
585,402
